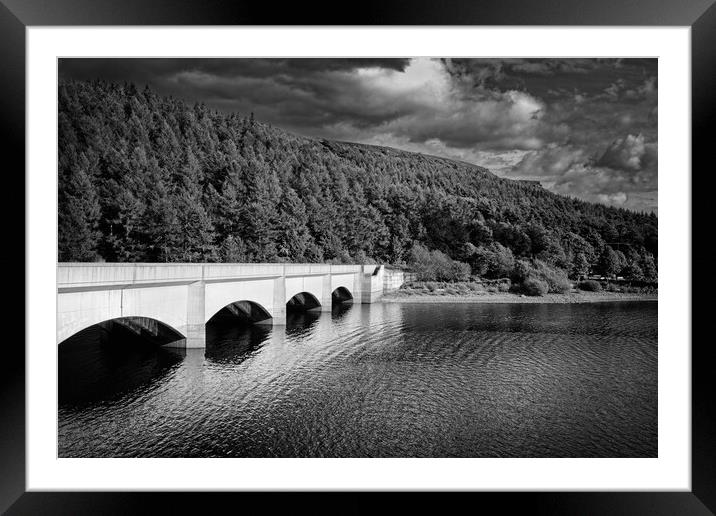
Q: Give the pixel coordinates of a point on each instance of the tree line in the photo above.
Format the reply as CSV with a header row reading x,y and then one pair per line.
x,y
147,178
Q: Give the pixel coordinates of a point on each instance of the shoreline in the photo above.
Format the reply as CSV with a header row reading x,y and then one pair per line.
x,y
509,298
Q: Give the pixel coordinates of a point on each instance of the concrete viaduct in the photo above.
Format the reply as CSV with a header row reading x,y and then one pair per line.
x,y
186,296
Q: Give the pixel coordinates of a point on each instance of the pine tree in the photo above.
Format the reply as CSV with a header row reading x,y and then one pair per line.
x,y
609,263
232,250
195,236
258,216
580,266
648,266
195,231
79,212
293,239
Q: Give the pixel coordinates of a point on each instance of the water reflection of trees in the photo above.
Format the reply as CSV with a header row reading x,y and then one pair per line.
x,y
105,362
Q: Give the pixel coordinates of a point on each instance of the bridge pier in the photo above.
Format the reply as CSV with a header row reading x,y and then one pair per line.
x,y
278,313
196,326
357,291
326,294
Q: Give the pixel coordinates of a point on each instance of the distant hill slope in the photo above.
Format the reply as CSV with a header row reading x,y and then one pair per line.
x,y
148,178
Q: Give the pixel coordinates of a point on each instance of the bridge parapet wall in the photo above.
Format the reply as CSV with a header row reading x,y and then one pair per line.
x,y
70,275
301,269
232,271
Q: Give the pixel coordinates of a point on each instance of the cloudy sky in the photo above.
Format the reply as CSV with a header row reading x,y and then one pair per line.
x,y
584,127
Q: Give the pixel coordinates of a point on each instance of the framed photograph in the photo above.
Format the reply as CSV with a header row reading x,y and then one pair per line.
x,y
409,251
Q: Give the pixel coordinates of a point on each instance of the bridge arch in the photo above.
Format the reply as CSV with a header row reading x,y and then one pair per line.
x,y
259,293
341,295
145,328
312,285
80,309
345,285
245,311
303,301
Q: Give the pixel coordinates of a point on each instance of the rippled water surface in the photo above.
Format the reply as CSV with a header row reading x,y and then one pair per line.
x,y
442,380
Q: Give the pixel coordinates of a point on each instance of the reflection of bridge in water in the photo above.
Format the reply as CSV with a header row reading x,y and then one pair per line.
x,y
185,297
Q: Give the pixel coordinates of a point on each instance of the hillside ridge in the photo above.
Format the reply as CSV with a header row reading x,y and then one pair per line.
x,y
149,178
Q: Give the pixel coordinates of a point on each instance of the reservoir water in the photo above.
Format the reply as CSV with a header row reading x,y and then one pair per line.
x,y
382,380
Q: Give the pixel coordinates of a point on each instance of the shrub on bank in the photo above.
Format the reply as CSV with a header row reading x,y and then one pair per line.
x,y
590,286
560,285
613,287
521,271
540,281
535,287
459,271
491,261
437,266
556,279
630,289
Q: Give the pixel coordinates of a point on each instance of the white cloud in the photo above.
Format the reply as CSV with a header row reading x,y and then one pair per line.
x,y
629,153
549,163
424,81
427,105
615,199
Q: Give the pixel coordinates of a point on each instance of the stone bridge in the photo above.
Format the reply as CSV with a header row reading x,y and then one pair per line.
x,y
185,296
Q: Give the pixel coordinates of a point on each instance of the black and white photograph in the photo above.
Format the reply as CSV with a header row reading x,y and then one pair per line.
x,y
357,257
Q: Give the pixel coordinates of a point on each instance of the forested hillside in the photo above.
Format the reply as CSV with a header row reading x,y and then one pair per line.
x,y
153,179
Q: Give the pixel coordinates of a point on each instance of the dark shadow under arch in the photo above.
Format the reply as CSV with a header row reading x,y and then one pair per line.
x,y
231,343
146,329
341,295
242,312
339,310
299,321
114,358
303,301
236,331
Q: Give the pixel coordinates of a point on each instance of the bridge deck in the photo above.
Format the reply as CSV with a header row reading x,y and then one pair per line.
x,y
74,275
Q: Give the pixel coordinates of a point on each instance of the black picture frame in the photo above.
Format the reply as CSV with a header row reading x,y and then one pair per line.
x,y
17,15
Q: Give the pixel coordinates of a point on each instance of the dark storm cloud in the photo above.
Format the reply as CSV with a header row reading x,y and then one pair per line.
x,y
592,76
294,91
586,127
148,69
